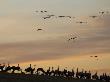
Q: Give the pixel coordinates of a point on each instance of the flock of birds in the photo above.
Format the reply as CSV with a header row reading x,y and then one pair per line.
x,y
96,57
48,16
63,16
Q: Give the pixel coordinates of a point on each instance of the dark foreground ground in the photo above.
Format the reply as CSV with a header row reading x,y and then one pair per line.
x,y
35,78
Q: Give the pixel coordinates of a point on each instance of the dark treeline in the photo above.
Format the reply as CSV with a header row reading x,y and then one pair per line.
x,y
7,69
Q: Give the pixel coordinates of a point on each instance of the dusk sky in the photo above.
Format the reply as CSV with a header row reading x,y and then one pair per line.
x,y
20,42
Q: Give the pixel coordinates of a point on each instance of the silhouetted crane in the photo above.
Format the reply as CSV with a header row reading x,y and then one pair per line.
x,y
14,68
30,69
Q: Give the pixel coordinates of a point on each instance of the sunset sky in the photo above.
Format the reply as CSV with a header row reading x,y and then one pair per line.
x,y
20,42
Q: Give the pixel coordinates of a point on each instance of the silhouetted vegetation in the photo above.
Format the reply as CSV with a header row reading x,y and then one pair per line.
x,y
8,72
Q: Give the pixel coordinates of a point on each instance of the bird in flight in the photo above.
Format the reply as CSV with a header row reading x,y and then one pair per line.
x,y
102,12
36,11
81,22
95,56
46,17
39,29
50,15
93,16
91,56
41,11
45,11
69,16
107,12
72,38
61,16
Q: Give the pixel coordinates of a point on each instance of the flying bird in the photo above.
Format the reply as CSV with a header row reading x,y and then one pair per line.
x,y
45,11
61,16
69,39
50,15
93,16
72,38
39,29
95,56
41,11
46,17
69,16
91,56
81,22
102,12
37,11
107,12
